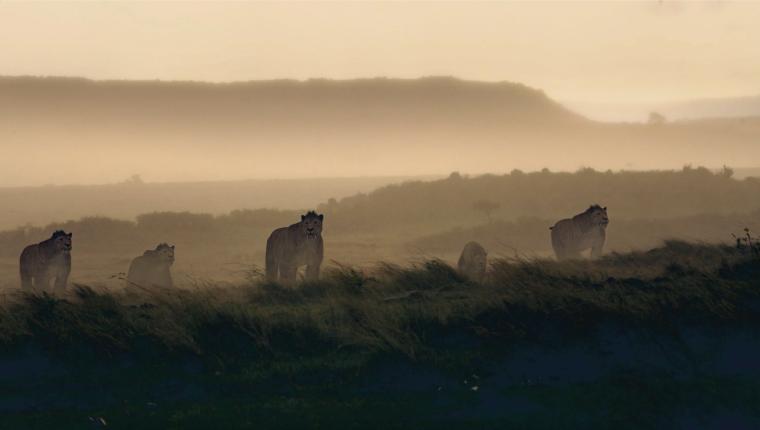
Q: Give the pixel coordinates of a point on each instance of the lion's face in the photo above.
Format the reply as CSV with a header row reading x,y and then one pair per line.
x,y
599,216
311,225
479,260
165,254
63,243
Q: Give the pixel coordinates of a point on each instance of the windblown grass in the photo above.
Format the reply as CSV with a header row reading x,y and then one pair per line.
x,y
400,309
399,347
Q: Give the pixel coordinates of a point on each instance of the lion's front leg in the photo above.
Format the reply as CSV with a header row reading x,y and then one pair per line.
x,y
61,279
288,273
60,282
42,282
596,249
312,272
314,261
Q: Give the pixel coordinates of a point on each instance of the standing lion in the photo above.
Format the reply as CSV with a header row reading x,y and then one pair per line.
x,y
297,245
472,263
586,230
46,261
152,269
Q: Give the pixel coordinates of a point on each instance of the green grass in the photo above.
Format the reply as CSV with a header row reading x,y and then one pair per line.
x,y
387,347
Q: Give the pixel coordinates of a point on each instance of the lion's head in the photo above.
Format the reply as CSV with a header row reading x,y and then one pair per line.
x,y
164,253
598,215
311,224
62,241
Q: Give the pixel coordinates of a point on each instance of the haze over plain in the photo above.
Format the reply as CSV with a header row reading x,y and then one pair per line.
x,y
598,59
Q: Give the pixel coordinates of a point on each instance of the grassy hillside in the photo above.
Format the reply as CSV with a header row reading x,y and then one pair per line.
x,y
653,339
430,207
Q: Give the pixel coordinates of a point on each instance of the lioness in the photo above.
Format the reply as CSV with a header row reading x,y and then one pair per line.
x,y
49,259
296,245
152,268
586,230
472,263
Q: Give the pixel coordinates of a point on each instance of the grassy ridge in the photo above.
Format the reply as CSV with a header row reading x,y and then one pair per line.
x,y
390,308
395,347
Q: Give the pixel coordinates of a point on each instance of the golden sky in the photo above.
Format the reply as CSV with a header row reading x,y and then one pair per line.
x,y
589,51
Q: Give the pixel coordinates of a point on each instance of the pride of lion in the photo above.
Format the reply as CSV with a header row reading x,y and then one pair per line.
x,y
291,247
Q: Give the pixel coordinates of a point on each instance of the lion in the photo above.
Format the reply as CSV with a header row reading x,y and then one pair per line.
x,y
296,245
472,263
46,261
152,268
586,230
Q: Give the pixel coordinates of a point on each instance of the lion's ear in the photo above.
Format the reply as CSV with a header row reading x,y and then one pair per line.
x,y
303,217
71,234
172,246
605,208
321,217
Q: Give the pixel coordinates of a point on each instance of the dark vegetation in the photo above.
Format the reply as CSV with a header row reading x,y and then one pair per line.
x,y
128,199
429,207
639,340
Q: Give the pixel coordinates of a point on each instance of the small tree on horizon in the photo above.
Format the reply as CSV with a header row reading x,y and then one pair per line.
x,y
656,118
487,207
135,179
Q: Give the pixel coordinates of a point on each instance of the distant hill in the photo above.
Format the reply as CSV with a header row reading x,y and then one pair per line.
x,y
747,172
68,130
255,105
124,201
433,217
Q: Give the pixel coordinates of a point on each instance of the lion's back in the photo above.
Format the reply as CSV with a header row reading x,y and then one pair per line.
x,y
137,270
569,235
289,244
279,240
29,254
565,231
29,260
145,271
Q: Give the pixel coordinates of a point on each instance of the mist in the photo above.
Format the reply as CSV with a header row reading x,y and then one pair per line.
x,y
230,91
391,215
76,131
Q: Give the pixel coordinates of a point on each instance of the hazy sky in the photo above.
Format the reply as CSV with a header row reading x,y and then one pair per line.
x,y
592,51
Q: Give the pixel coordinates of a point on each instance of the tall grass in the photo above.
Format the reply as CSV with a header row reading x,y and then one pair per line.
x,y
399,309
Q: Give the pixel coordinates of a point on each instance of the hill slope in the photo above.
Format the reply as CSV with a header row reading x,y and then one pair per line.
x,y
417,208
78,131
